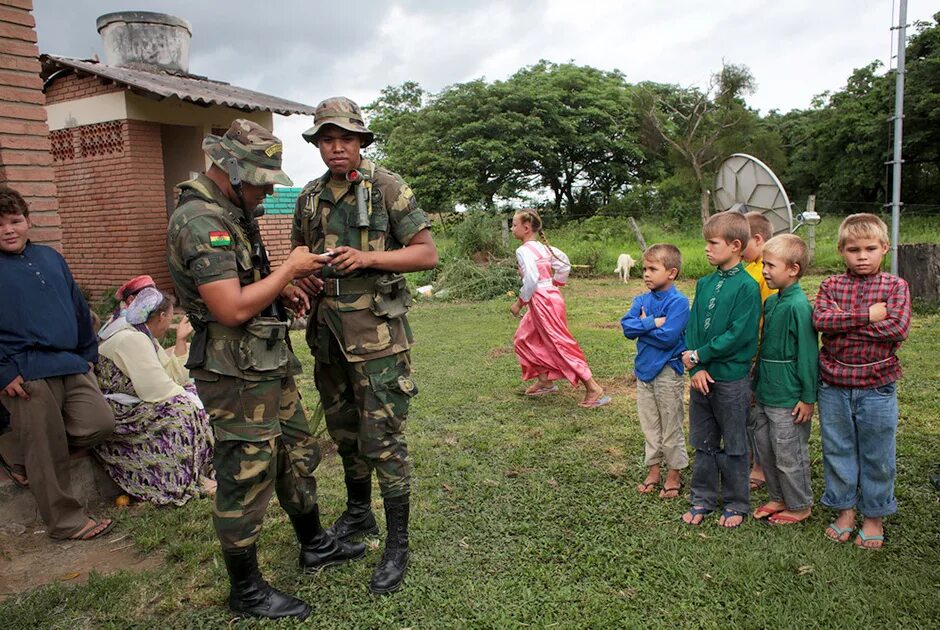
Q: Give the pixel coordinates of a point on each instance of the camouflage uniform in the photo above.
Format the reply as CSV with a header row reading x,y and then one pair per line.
x,y
361,347
263,442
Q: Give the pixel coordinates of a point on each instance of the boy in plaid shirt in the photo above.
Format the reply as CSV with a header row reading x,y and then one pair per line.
x,y
863,315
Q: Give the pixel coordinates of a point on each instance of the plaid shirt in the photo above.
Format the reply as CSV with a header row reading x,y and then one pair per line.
x,y
855,352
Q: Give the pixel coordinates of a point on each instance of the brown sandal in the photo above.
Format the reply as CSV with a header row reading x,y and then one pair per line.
x,y
94,530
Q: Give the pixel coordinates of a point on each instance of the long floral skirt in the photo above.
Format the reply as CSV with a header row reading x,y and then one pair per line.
x,y
159,452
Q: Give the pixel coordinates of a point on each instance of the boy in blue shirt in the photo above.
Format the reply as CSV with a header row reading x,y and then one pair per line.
x,y
47,351
657,321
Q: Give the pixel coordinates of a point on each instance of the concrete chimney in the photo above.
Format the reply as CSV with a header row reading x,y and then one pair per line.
x,y
146,40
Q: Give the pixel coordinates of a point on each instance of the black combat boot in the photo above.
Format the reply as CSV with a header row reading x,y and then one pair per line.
x,y
390,572
251,595
358,520
318,549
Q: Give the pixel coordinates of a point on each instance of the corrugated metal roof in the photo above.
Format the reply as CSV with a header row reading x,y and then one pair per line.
x,y
199,90
282,201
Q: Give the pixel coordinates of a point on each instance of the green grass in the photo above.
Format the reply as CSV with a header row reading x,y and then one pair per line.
x,y
524,514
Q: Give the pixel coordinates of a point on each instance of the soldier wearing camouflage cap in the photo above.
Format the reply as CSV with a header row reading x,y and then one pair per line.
x,y
242,364
367,219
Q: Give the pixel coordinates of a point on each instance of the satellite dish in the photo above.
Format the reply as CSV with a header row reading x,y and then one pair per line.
x,y
743,180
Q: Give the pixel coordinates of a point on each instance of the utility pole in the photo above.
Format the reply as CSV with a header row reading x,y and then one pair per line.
x,y
898,124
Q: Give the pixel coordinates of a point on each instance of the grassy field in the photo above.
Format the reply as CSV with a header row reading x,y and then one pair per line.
x,y
525,515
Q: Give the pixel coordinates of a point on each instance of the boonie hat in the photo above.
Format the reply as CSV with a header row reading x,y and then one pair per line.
x,y
257,150
342,112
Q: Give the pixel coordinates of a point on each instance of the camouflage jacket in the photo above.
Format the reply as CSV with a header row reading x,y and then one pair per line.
x,y
207,241
323,222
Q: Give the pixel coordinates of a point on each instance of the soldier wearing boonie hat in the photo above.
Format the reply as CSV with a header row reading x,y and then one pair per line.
x,y
242,364
367,219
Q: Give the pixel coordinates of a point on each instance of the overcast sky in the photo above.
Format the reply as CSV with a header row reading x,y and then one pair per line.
x,y
297,50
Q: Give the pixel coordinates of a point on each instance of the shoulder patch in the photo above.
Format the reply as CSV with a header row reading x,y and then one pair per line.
x,y
220,239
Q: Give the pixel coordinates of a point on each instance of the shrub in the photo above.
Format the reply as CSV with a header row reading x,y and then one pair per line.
x,y
478,233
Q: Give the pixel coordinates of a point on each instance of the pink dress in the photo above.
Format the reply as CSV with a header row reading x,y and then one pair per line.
x,y
543,342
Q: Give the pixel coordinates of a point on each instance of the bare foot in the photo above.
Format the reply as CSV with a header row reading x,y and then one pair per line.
x,y
840,530
696,515
871,535
93,529
769,509
651,482
673,485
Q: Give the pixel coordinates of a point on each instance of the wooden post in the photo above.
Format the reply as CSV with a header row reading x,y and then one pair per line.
x,y
636,231
504,230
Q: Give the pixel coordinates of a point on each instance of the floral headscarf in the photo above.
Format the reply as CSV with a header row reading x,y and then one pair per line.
x,y
143,305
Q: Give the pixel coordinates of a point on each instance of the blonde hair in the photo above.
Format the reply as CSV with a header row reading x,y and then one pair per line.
x,y
791,249
665,254
728,225
759,224
532,217
862,225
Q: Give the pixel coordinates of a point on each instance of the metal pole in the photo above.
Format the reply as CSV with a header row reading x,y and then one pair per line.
x,y
811,228
898,123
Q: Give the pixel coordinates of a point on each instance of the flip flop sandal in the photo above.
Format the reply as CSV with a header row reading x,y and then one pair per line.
x,y
676,489
840,532
647,488
697,511
783,519
756,484
862,538
12,474
594,404
542,391
86,534
763,512
726,513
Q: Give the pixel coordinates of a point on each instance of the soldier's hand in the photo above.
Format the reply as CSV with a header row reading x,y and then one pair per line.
x,y
295,299
347,259
302,263
311,285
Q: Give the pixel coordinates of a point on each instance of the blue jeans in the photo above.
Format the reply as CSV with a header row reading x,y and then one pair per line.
x,y
717,431
859,430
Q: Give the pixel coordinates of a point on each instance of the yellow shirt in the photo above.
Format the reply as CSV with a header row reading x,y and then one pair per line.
x,y
755,269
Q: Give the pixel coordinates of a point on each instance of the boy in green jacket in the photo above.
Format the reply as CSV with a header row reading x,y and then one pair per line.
x,y
785,384
722,341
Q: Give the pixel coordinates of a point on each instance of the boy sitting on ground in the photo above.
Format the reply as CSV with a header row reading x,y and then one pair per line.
x,y
657,320
722,337
785,384
46,370
863,314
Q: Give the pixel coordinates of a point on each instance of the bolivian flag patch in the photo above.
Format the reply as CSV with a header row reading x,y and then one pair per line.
x,y
220,239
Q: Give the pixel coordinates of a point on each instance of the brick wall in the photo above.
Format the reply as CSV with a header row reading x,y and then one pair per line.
x,y
112,202
70,87
275,232
25,162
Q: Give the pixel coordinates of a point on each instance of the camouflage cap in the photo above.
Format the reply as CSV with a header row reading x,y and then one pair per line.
x,y
257,150
342,112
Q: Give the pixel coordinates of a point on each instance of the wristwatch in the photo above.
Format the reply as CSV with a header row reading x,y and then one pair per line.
x,y
694,357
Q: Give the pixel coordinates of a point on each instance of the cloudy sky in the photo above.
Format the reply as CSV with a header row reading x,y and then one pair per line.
x,y
306,50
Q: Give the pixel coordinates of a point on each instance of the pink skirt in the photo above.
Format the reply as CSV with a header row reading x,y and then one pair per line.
x,y
544,344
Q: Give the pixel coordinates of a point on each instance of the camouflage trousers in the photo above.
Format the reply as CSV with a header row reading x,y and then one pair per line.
x,y
263,445
366,406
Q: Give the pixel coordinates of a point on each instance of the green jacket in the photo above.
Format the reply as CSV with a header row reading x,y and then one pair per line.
x,y
788,362
322,222
207,242
724,323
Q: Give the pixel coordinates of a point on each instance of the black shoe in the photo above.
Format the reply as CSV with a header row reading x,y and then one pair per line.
x,y
251,595
390,572
319,550
358,520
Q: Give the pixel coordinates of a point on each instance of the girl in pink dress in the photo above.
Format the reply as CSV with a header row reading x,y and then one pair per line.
x,y
543,343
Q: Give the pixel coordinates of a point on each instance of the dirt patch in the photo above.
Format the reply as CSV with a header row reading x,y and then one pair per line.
x,y
30,558
499,351
620,386
607,325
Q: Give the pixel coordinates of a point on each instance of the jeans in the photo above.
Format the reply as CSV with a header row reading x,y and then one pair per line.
x,y
718,434
783,449
859,431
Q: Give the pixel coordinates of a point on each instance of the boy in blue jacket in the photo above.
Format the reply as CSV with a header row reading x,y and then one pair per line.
x,y
657,321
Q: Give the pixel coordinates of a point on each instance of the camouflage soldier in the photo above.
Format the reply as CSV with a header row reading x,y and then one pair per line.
x,y
242,363
367,220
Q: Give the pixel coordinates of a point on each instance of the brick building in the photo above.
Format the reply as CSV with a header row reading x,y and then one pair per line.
x,y
125,132
25,161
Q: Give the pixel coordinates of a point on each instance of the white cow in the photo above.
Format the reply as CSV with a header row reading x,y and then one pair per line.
x,y
624,263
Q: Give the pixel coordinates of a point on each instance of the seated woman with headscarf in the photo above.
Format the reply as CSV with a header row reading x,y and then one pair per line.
x,y
125,296
161,449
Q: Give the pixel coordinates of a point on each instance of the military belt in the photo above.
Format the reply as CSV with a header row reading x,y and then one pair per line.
x,y
218,331
348,286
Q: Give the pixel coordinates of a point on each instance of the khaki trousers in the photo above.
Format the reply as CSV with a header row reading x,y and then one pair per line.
x,y
61,411
659,405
